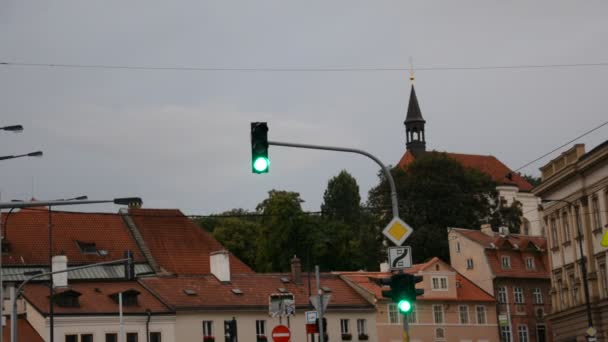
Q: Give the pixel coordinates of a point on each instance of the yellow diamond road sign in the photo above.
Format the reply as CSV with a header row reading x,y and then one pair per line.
x,y
605,239
397,231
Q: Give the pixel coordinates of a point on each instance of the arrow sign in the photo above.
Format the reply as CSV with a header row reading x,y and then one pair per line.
x,y
314,300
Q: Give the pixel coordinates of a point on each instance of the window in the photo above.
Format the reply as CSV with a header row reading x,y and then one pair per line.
x,y
411,316
440,283
207,328
481,314
529,263
457,247
505,333
438,313
566,226
537,295
574,289
554,233
502,294
71,338
67,299
440,334
129,297
597,224
86,338
155,337
361,327
469,264
393,314
505,262
260,328
560,290
541,334
132,337
344,329
522,333
519,295
463,311
87,247
603,280
111,337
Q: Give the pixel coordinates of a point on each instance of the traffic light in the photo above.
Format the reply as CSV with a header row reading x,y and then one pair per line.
x,y
403,290
259,147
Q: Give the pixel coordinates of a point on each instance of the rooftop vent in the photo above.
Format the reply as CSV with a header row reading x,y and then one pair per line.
x,y
237,291
190,292
285,280
325,289
87,247
282,290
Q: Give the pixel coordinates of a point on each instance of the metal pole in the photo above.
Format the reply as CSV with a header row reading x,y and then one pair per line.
x,y
13,296
387,172
22,285
320,293
51,292
406,328
122,323
1,283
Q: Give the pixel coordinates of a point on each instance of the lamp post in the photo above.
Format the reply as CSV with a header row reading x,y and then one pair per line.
x,y
583,259
28,204
31,154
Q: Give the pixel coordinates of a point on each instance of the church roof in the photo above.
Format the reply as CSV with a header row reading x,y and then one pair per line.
x,y
413,108
489,165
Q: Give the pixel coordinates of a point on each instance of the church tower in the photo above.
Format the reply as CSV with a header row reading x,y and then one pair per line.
x,y
414,125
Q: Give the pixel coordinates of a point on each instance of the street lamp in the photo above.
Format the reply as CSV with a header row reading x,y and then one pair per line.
x,y
583,258
131,201
13,128
31,154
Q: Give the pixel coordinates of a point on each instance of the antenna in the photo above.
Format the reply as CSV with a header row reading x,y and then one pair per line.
x,y
411,60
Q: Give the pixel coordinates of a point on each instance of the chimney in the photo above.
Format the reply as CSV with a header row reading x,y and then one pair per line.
x,y
384,267
60,263
486,228
220,265
296,270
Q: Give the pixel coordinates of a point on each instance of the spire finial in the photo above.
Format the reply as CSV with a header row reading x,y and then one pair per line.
x,y
412,78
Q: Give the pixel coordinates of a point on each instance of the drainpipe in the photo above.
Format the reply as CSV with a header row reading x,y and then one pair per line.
x,y
148,324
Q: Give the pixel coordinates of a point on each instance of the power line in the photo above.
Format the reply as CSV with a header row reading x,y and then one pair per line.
x,y
561,146
297,69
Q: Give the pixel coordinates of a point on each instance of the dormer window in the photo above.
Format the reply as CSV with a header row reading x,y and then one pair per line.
x,y
129,297
67,299
529,263
505,262
87,247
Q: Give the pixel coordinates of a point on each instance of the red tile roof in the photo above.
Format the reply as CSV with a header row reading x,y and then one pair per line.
x,y
486,164
517,247
95,298
467,291
25,332
256,288
27,232
178,245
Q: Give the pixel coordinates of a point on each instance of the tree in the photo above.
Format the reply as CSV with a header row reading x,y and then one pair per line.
x,y
436,192
341,200
535,181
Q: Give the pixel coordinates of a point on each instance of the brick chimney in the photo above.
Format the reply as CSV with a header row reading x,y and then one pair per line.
x,y
486,228
220,265
60,263
296,270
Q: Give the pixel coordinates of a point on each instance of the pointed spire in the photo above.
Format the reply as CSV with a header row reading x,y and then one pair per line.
x,y
413,108
415,140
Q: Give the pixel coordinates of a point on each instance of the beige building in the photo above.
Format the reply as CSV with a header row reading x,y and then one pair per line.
x,y
452,309
574,190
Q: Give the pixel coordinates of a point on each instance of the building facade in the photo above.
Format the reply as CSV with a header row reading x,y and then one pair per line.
x,y
452,309
574,190
510,185
514,269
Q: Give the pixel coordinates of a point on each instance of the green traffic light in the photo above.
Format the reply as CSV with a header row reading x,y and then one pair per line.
x,y
261,164
404,306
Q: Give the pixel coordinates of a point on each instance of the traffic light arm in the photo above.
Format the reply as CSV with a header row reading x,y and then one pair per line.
x,y
387,172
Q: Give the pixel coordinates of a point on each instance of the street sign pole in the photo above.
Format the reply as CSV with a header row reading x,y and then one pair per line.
x,y
321,311
406,329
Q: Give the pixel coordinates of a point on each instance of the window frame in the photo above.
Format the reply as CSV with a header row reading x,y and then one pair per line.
x,y
525,337
412,316
344,326
505,265
470,264
361,326
66,336
440,312
530,264
209,327
442,337
106,335
260,327
439,281
482,311
460,314
160,336
518,295
537,295
132,333
502,292
393,312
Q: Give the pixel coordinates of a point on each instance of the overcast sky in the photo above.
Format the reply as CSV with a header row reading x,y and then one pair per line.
x,y
180,139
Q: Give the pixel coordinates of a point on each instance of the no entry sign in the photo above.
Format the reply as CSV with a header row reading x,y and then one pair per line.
x,y
281,333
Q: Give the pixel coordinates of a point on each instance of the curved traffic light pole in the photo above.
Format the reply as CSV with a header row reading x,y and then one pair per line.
x,y
395,205
386,171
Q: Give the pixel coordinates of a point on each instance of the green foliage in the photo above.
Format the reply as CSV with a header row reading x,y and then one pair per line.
x,y
436,192
535,181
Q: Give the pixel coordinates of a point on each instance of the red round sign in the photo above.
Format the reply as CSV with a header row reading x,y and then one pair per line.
x,y
281,333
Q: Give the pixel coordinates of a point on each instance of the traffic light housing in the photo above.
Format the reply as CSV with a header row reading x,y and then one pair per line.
x,y
403,290
259,147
